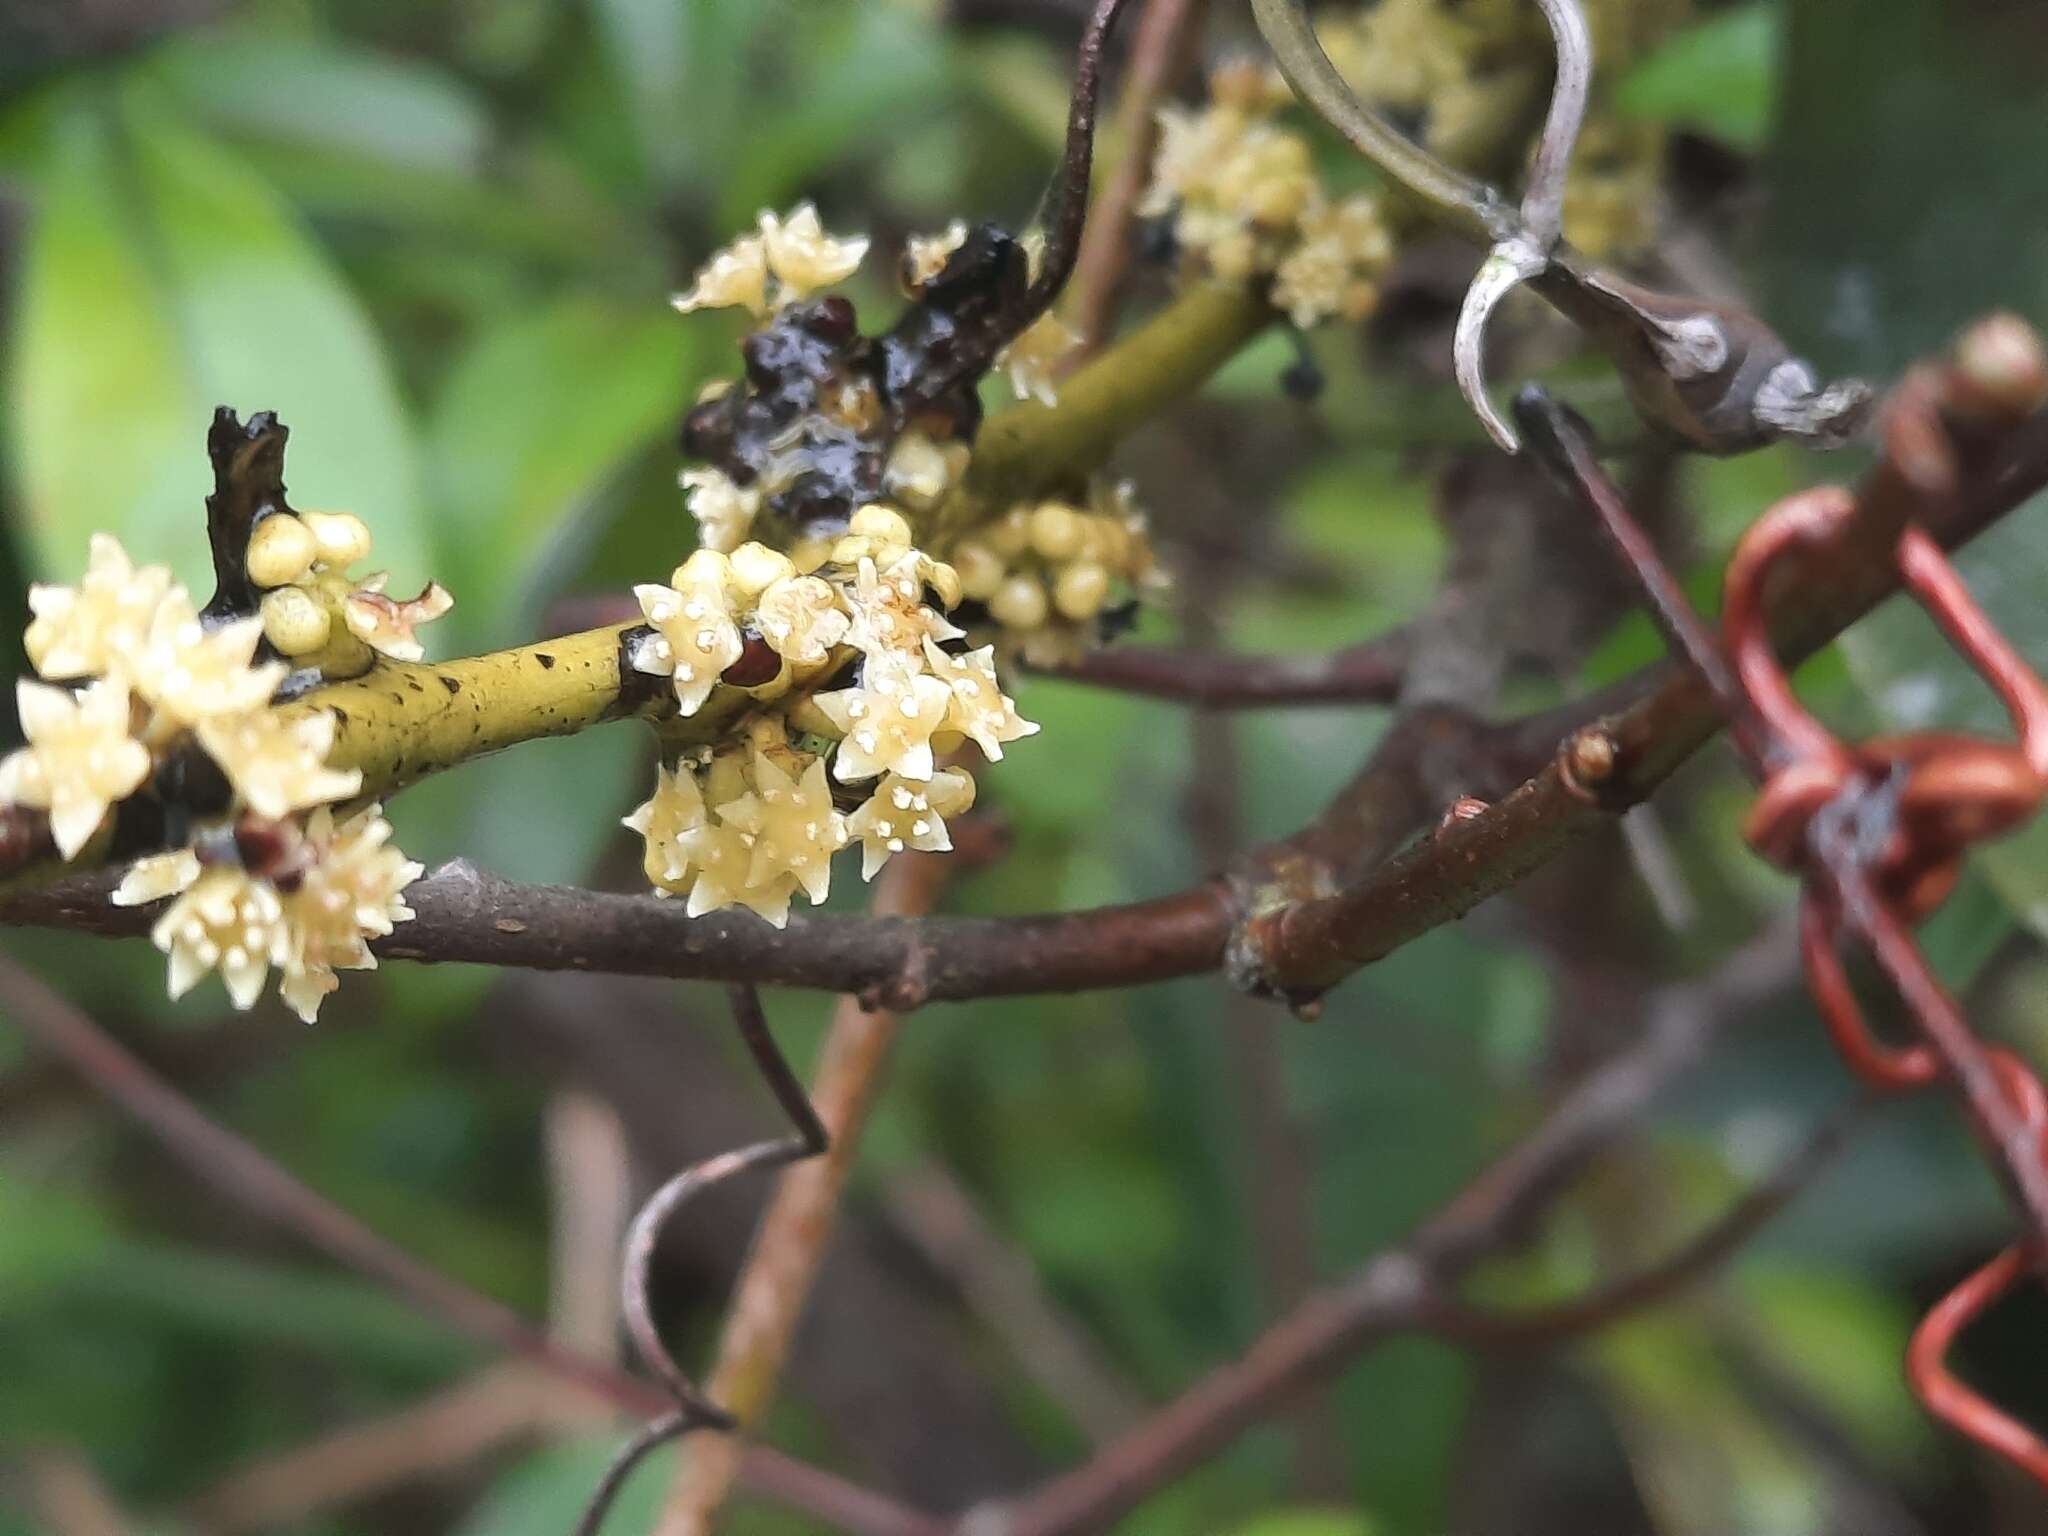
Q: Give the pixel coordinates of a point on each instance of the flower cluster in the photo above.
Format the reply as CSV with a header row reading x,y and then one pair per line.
x,y
135,686
1246,202
314,613
755,824
1473,73
785,260
309,909
1047,573
1032,362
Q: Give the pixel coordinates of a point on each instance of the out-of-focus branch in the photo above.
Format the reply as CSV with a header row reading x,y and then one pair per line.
x,y
1403,1288
234,1166
769,1300
1368,673
1166,32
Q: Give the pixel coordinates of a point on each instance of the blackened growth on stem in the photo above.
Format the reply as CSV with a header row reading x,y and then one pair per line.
x,y
248,486
811,421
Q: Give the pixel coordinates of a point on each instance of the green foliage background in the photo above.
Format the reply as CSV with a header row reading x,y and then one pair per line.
x,y
438,238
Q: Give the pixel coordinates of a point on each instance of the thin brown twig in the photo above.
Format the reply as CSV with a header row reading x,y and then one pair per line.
x,y
768,1302
1367,673
1397,1290
227,1162
1166,31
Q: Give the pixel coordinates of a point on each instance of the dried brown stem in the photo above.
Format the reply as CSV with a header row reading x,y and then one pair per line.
x,y
1367,673
1399,1289
769,1300
236,1167
1166,32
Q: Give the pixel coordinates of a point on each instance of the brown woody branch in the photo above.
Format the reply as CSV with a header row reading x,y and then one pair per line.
x,y
1368,673
245,1174
1411,1287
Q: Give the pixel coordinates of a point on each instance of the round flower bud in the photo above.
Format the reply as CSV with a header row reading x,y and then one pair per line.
x,y
1081,590
756,568
294,622
945,580
981,570
342,538
880,522
1010,534
1019,603
281,550
1056,531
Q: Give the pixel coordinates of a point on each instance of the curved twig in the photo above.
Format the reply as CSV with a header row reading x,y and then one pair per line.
x,y
695,1411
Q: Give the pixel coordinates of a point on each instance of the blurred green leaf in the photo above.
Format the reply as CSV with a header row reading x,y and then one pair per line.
x,y
532,422
1719,76
1841,1338
160,249
269,325
321,90
106,432
544,1494
1308,1522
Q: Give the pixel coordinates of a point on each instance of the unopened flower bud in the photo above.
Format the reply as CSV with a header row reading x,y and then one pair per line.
x,y
981,570
342,538
281,550
1056,531
294,621
1081,590
1019,603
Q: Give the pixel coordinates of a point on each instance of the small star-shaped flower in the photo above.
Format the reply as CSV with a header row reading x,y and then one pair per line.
x,y
735,277
353,892
277,765
905,814
228,921
189,673
724,509
890,615
155,877
102,623
977,707
800,618
724,858
803,257
887,721
698,638
663,820
389,625
792,825
1033,360
81,757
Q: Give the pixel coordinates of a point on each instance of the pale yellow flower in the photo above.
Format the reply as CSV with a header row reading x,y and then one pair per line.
x,y
724,859
352,892
155,877
1032,361
800,617
225,920
81,757
697,634
1345,248
101,624
277,765
803,257
189,674
735,277
890,615
887,721
977,707
920,472
389,625
925,256
663,820
791,827
904,814
724,509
